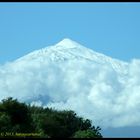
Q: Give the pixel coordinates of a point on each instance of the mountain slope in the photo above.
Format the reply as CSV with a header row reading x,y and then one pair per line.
x,y
68,50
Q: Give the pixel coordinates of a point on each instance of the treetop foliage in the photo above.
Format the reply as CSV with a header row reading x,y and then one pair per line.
x,y
17,117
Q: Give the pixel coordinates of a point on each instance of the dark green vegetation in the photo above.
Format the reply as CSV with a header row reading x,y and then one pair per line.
x,y
20,118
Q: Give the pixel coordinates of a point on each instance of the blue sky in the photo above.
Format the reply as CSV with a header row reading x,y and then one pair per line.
x,y
109,28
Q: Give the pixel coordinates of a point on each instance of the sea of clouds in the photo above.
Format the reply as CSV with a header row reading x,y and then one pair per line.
x,y
92,90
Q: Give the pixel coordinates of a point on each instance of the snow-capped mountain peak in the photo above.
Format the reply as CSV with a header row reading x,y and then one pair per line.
x,y
67,50
67,43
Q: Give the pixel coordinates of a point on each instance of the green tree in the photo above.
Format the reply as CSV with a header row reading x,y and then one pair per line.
x,y
5,122
23,118
18,113
86,134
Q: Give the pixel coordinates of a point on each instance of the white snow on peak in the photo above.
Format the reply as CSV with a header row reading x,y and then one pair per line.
x,y
67,43
68,49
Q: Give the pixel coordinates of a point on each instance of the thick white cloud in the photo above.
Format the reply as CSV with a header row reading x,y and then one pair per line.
x,y
95,91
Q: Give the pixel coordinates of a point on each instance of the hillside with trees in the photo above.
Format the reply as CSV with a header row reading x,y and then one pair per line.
x,y
21,120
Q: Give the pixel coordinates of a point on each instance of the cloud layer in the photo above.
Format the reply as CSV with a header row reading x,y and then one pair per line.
x,y
93,90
